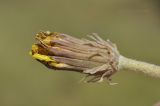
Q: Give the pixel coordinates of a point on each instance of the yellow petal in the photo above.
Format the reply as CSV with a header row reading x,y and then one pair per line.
x,y
34,49
58,65
42,57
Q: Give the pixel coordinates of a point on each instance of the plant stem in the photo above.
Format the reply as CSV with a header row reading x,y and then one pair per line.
x,y
134,65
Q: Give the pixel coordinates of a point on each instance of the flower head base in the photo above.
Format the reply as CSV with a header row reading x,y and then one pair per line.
x,y
95,57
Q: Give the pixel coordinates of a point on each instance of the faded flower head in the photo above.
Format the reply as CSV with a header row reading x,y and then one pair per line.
x,y
95,57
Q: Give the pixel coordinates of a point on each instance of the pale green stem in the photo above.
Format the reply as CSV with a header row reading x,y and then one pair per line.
x,y
134,65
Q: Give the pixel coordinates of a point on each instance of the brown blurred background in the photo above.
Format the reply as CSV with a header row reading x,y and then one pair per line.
x,y
134,25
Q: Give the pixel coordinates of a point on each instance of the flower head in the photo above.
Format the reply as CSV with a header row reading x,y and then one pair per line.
x,y
95,57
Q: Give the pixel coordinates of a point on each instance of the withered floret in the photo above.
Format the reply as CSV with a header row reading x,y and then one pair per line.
x,y
95,57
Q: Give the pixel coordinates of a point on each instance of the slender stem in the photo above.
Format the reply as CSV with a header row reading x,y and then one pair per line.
x,y
134,65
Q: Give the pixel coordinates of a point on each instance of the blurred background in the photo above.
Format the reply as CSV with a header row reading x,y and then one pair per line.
x,y
134,25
